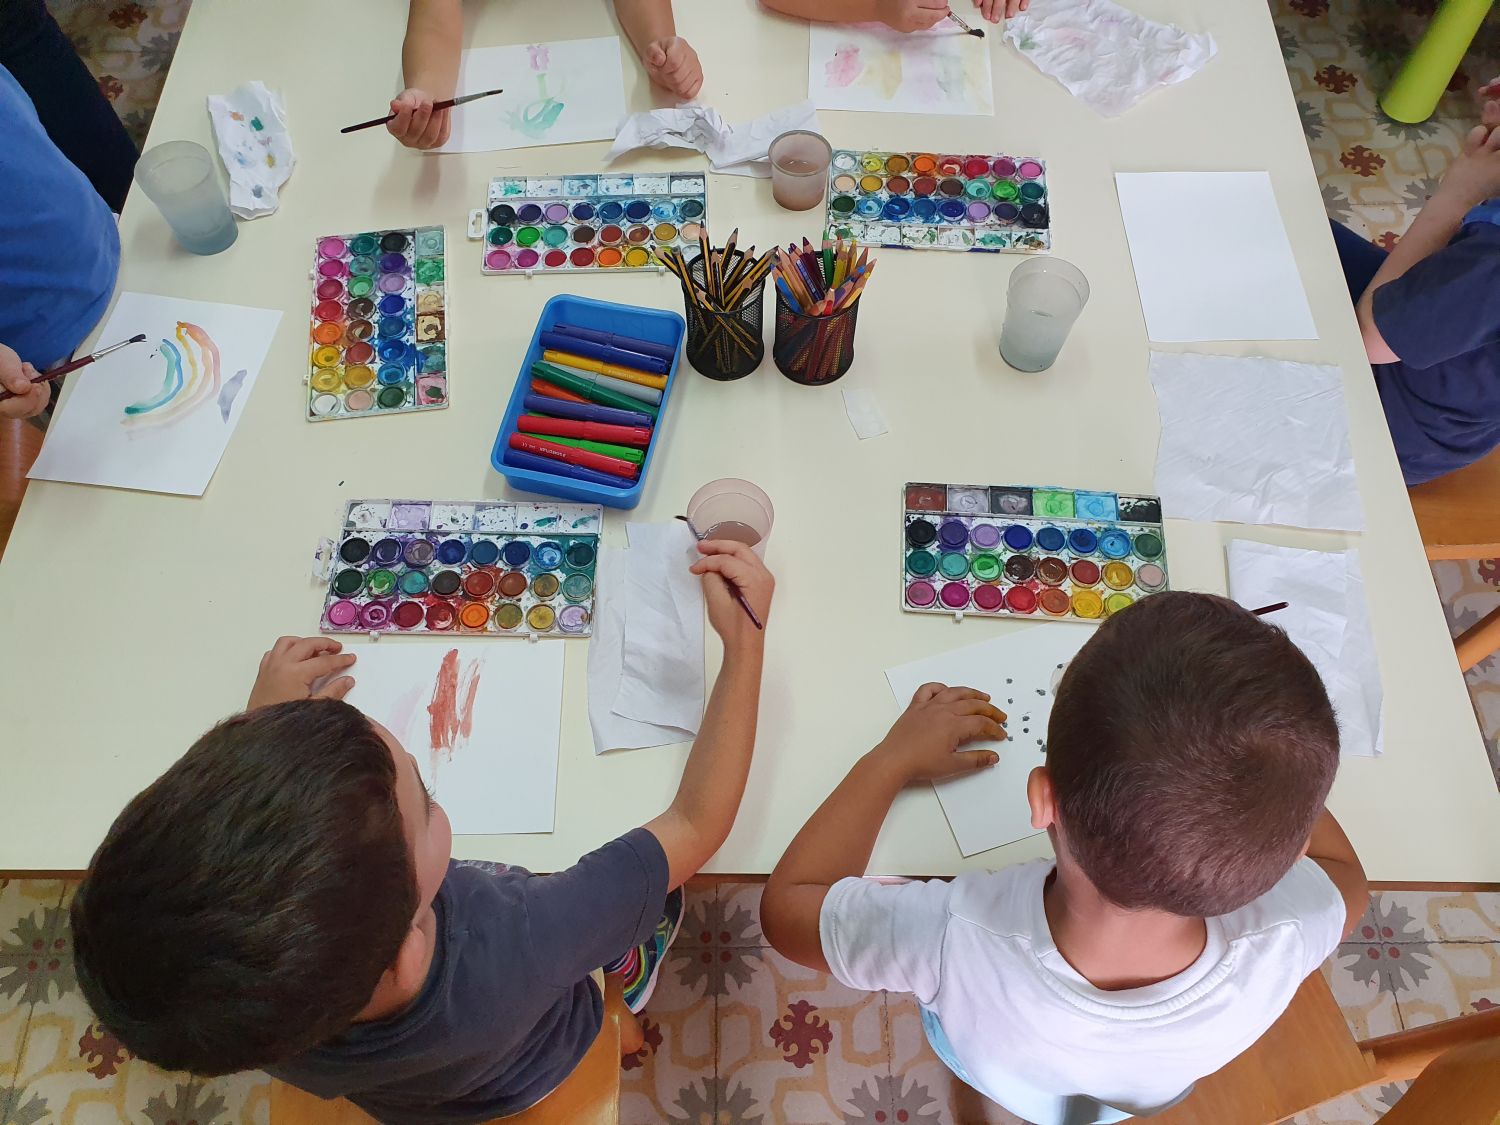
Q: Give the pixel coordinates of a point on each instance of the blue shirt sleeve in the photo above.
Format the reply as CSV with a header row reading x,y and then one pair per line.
x,y
611,899
1446,305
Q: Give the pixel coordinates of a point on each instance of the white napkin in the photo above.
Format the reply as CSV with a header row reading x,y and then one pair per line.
x,y
1254,440
1326,618
1107,56
646,683
255,145
735,150
864,413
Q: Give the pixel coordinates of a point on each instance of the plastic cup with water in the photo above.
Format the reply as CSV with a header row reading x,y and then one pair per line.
x,y
181,178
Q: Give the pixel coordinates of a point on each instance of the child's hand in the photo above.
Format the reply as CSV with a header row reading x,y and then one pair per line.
x,y
911,15
673,65
1475,176
1488,97
417,124
923,743
997,10
738,564
293,665
31,398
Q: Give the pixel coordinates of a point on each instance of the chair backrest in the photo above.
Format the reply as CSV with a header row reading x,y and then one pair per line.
x,y
1458,515
1461,1087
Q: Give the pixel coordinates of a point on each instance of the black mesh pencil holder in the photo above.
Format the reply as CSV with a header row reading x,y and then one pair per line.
x,y
725,345
813,350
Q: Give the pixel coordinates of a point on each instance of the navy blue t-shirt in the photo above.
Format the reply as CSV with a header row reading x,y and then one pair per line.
x,y
62,250
509,1008
1442,317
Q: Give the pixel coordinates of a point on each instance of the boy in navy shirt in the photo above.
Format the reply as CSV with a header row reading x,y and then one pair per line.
x,y
1430,312
283,898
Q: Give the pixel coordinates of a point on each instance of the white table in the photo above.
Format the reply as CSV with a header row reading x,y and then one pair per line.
x,y
115,658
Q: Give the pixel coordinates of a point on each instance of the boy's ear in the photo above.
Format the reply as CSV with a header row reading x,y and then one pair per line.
x,y
407,969
1041,798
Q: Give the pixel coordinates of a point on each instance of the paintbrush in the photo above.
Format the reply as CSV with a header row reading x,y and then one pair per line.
x,y
448,104
59,372
733,589
1265,609
974,31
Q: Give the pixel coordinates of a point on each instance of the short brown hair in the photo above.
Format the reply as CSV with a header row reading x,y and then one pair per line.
x,y
1191,747
243,907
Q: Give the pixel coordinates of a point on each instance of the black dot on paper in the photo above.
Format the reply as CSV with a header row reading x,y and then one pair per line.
x,y
1009,680
1040,691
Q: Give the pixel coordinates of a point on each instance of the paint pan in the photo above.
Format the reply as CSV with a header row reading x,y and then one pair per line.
x,y
1058,554
566,224
378,331
918,201
477,568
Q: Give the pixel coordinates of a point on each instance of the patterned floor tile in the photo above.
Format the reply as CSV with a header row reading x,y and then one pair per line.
x,y
1364,990
1468,590
1460,979
698,908
1363,1107
795,1046
1449,916
740,903
922,1085
680,1035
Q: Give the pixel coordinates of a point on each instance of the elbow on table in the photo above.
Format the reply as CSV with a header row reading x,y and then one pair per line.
x,y
1376,349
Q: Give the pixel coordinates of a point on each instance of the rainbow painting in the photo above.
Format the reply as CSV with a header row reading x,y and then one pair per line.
x,y
192,378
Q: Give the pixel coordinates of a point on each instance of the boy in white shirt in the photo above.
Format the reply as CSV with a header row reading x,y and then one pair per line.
x,y
1198,877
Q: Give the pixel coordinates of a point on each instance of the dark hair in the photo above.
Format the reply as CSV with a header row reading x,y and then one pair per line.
x,y
245,905
1191,747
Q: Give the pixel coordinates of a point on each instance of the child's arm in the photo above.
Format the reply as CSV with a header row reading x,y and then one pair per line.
x,y
901,15
669,61
836,843
1331,850
429,66
713,780
1473,178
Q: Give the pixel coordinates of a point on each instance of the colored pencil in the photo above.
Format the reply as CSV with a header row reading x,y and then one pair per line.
x,y
448,104
733,589
59,372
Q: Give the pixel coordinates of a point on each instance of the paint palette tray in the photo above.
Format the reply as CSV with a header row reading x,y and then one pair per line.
x,y
1058,554
478,568
379,326
549,224
929,201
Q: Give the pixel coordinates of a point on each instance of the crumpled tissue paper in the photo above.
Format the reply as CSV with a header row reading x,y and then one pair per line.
x,y
255,145
735,150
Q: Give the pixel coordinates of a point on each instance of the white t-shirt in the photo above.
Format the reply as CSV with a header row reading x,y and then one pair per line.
x,y
1036,1036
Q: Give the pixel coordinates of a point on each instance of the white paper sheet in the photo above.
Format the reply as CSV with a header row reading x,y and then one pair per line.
x,y
1326,618
735,150
1254,440
662,677
1020,672
1211,257
555,94
157,415
864,412
606,665
480,717
1106,56
868,66
255,145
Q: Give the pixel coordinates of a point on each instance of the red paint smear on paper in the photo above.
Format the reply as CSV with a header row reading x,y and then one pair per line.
x,y
449,724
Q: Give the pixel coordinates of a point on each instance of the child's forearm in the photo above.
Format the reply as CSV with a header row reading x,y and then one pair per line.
x,y
826,11
1331,850
713,779
1432,230
432,47
645,21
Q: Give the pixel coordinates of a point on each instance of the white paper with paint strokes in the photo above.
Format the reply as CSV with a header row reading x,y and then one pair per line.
x,y
1107,56
255,145
868,66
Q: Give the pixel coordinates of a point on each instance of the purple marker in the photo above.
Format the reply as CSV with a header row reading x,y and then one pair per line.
x,y
519,460
593,350
615,340
585,412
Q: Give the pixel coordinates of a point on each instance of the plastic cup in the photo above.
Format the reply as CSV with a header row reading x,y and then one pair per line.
x,y
799,169
181,178
1044,299
735,509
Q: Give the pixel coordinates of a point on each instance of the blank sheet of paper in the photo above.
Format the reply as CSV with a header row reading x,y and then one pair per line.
x,y
1211,257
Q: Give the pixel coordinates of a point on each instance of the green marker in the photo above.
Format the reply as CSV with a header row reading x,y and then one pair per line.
x,y
624,453
589,389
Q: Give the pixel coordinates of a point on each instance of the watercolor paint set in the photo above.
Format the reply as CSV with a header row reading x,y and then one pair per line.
x,y
379,325
1053,553
479,568
927,201
589,222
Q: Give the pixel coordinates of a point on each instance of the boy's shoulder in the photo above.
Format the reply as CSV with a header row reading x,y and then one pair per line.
x,y
1305,899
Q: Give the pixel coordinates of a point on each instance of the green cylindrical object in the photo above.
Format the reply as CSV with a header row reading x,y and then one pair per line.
x,y
623,452
1414,93
591,391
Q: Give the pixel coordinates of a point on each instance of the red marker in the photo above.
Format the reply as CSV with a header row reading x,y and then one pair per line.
x,y
571,456
593,431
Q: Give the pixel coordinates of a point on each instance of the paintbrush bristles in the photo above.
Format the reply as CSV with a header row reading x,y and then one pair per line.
x,y
974,31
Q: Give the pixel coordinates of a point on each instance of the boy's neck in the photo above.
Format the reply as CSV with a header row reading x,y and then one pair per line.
x,y
1115,949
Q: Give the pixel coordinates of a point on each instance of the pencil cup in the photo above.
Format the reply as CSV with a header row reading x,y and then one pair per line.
x,y
799,169
735,509
725,345
813,350
181,178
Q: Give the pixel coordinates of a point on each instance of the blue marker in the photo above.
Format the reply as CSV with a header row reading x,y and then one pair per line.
x,y
557,341
615,340
585,411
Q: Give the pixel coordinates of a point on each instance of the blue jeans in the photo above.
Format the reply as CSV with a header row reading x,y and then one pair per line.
x,y
1359,256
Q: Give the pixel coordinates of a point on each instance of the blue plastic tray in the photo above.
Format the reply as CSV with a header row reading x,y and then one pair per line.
x,y
656,325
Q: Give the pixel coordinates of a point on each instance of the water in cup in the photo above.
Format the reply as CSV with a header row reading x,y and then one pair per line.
x,y
1044,299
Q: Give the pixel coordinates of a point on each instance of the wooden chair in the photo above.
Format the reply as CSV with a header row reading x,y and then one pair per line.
x,y
1308,1057
1458,516
589,1096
